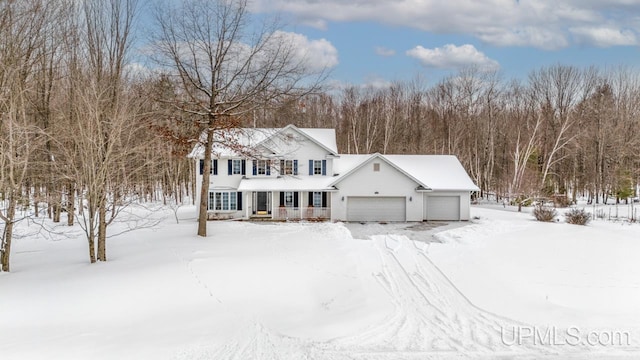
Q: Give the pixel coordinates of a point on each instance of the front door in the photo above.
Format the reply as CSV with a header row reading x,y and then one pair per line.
x,y
262,203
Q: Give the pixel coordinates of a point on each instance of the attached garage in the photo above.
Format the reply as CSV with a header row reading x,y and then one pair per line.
x,y
442,207
360,208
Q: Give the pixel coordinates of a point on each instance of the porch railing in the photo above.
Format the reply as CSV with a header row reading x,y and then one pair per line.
x,y
288,213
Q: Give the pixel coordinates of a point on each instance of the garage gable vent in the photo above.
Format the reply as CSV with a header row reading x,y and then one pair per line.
x,y
376,166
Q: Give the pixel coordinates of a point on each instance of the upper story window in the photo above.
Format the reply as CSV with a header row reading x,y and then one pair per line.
x,y
236,167
261,167
288,167
213,169
317,167
376,166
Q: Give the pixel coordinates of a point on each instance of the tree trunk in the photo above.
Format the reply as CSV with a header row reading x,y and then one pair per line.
x,y
204,191
102,231
5,250
92,247
71,201
56,199
92,231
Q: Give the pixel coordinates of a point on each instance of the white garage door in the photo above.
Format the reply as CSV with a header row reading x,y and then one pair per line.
x,y
442,207
376,209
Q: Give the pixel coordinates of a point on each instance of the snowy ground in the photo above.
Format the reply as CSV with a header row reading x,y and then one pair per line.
x,y
315,291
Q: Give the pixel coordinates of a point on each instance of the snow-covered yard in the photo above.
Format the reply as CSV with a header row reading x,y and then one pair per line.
x,y
313,291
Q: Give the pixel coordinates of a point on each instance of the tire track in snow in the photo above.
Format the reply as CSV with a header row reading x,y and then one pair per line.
x,y
432,320
431,315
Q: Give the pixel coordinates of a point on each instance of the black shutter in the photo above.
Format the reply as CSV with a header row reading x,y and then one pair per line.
x,y
239,202
281,167
281,198
255,168
244,167
310,167
215,166
324,199
295,167
324,167
295,199
201,166
229,167
310,198
268,165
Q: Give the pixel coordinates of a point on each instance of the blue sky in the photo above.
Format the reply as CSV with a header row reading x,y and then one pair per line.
x,y
379,41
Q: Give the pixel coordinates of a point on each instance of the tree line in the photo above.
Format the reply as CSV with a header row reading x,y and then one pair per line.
x,y
562,130
85,130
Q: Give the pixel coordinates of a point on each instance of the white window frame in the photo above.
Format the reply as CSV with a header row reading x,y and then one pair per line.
x,y
261,167
317,199
317,167
223,201
236,167
212,200
288,199
287,168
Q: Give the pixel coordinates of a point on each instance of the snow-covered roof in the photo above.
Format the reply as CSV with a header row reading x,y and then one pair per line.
x,y
438,172
326,137
286,183
380,157
229,141
233,142
346,162
435,172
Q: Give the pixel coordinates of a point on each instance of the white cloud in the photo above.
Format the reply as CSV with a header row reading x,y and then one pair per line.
x,y
604,36
316,54
383,51
548,39
453,57
546,24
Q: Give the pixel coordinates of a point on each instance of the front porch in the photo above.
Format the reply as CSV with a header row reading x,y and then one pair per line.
x,y
306,213
289,205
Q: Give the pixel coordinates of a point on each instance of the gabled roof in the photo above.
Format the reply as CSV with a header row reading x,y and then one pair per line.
x,y
252,137
324,138
368,160
432,172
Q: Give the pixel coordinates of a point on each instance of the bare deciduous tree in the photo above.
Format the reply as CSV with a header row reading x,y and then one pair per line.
x,y
225,69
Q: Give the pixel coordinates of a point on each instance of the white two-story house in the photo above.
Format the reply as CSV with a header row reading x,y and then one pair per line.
x,y
294,173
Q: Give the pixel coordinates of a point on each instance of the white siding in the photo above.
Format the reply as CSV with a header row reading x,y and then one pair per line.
x,y
300,148
388,182
297,148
